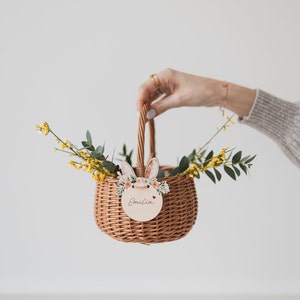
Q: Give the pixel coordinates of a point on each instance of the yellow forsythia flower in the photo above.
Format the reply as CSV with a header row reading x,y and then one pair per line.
x,y
44,128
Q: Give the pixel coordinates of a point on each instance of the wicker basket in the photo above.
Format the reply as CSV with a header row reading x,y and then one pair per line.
x,y
178,213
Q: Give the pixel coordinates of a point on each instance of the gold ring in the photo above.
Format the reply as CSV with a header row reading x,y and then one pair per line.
x,y
155,80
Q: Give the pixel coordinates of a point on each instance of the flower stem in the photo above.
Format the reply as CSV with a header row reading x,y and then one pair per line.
x,y
60,140
224,125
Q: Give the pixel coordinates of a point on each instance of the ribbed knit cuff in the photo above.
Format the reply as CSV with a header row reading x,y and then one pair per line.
x,y
278,119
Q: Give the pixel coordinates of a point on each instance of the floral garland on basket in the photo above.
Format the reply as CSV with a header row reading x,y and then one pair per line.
x,y
200,161
126,181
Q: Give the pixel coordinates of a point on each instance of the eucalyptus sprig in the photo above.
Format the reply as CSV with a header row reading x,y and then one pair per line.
x,y
127,156
198,162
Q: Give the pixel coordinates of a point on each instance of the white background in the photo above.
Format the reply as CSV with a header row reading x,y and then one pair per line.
x,y
78,65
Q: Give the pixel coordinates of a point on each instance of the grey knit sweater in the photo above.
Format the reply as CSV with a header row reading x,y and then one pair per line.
x,y
278,119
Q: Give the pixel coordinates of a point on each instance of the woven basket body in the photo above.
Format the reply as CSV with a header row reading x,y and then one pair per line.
x,y
176,218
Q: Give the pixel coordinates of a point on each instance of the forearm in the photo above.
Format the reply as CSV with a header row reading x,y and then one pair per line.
x,y
239,99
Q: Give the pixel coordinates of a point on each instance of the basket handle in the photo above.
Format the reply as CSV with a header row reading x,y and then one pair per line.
x,y
140,169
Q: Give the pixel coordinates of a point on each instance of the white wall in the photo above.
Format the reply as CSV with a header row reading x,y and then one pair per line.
x,y
78,65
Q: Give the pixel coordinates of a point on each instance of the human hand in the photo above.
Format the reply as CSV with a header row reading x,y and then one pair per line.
x,y
170,88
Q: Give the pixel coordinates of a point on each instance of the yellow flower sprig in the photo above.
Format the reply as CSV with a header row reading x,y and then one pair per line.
x,y
91,159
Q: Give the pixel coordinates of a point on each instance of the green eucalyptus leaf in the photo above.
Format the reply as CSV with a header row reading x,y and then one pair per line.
x,y
174,171
98,156
184,164
110,166
237,171
160,174
94,154
208,158
128,159
191,157
88,146
250,159
230,172
99,149
243,168
210,175
245,158
89,137
85,144
218,174
237,157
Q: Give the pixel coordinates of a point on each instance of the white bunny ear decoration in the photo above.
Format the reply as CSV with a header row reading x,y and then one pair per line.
x,y
129,179
127,170
152,168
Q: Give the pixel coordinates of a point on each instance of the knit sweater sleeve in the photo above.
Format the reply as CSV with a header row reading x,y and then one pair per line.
x,y
280,120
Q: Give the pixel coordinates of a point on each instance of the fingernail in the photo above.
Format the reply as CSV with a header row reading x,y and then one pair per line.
x,y
151,114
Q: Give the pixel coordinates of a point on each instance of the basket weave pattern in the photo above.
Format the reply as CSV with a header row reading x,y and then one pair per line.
x,y
175,220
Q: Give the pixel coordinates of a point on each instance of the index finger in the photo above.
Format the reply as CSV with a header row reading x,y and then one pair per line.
x,y
148,92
